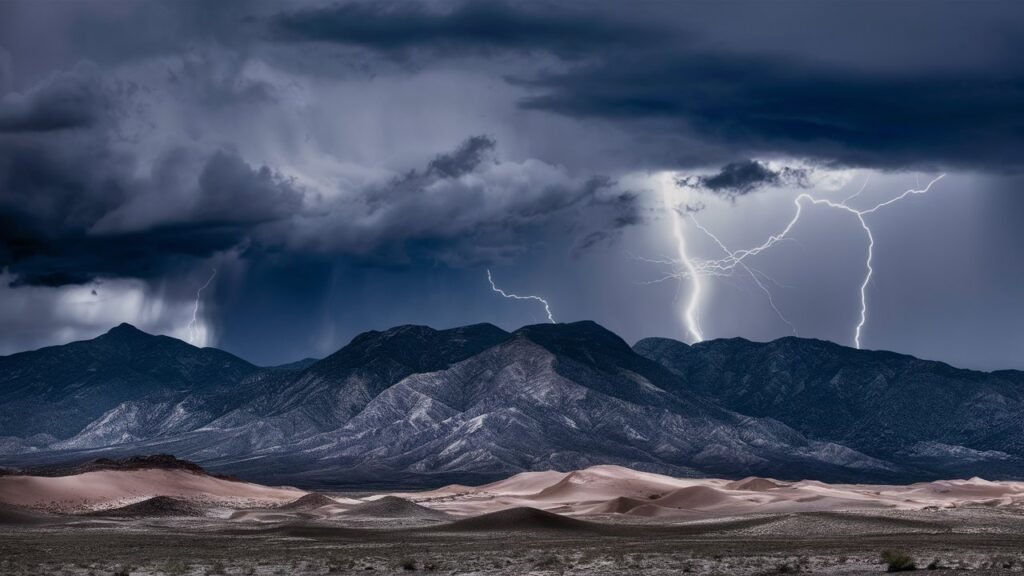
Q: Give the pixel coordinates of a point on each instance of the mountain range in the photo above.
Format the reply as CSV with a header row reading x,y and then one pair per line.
x,y
414,406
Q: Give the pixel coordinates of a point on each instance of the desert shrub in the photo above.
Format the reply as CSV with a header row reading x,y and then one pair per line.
x,y
898,561
408,564
175,566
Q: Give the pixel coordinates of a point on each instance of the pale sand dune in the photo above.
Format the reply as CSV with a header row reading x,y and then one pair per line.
x,y
754,484
604,482
524,483
600,491
110,489
564,492
614,490
311,501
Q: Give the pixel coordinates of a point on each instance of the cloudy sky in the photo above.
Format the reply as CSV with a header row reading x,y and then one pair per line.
x,y
314,170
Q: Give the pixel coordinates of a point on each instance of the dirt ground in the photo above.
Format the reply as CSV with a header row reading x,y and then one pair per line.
x,y
975,541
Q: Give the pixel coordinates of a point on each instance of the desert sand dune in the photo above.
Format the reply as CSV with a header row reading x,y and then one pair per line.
x,y
605,482
620,505
522,519
605,492
754,484
695,497
522,484
615,490
394,507
112,489
156,507
310,501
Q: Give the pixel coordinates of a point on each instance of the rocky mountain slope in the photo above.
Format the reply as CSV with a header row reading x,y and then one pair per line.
x,y
413,405
892,406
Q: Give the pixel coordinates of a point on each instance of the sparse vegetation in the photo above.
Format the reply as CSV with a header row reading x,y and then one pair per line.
x,y
548,561
175,566
407,564
898,561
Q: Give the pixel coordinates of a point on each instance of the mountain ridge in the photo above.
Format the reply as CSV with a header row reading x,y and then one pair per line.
x,y
477,401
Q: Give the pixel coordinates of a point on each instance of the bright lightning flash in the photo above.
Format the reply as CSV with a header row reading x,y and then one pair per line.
x,y
694,269
547,308
693,299
195,309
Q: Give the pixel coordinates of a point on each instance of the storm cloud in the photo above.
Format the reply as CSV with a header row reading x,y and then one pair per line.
x,y
822,98
399,29
352,165
739,178
465,207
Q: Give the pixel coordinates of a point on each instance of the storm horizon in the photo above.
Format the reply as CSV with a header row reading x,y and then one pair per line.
x,y
272,180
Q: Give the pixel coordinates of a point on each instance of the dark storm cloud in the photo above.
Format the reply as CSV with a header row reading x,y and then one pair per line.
x,y
75,257
73,208
64,101
755,105
920,97
233,192
397,28
131,234
464,159
465,207
626,210
613,215
746,176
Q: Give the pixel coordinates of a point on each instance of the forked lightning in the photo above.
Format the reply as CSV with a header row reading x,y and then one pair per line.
x,y
547,308
694,269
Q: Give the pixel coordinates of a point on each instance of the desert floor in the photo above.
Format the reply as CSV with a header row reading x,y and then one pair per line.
x,y
966,540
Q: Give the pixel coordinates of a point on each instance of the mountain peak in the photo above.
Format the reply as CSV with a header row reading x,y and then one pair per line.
x,y
582,330
576,338
124,331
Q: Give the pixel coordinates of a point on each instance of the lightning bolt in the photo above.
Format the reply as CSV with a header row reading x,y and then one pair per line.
x,y
690,319
694,269
195,309
547,308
